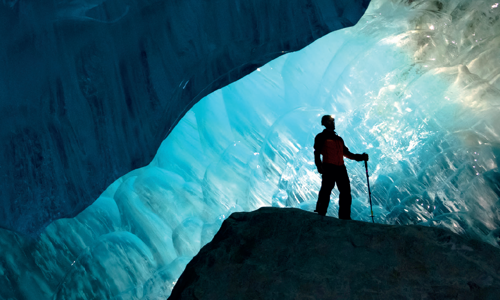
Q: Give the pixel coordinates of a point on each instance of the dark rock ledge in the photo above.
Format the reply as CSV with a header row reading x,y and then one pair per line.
x,y
287,253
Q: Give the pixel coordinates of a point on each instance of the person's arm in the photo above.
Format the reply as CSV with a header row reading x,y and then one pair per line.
x,y
317,155
318,162
356,157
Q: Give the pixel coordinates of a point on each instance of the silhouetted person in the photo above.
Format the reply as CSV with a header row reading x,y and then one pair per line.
x,y
332,168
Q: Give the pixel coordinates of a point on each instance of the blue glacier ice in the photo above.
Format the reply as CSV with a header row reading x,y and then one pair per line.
x,y
90,88
416,84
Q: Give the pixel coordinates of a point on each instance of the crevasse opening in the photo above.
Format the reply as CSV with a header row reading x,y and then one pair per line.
x,y
416,85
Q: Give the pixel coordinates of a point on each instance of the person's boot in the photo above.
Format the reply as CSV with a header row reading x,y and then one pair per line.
x,y
321,214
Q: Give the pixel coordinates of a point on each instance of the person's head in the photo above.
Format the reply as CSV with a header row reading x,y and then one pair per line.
x,y
328,121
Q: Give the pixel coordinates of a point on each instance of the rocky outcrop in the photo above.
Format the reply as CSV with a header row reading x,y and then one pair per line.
x,y
90,89
275,253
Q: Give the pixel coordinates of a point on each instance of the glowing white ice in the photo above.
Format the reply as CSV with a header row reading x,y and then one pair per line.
x,y
414,85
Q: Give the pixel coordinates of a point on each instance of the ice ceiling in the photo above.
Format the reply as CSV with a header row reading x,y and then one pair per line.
x,y
416,85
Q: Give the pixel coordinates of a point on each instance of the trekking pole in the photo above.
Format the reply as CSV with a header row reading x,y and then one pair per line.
x,y
369,192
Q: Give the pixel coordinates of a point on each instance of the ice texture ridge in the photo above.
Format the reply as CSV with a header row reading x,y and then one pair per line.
x,y
416,84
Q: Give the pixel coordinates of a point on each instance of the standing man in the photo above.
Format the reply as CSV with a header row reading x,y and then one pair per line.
x,y
332,168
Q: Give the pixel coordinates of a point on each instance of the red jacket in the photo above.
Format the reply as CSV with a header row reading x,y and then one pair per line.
x,y
333,149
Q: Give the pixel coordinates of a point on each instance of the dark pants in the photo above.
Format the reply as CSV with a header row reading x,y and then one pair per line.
x,y
335,174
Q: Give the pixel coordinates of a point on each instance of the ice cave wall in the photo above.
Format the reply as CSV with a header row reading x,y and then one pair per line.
x,y
89,89
416,85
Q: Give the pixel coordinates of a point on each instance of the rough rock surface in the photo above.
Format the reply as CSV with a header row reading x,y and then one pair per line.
x,y
90,89
275,253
